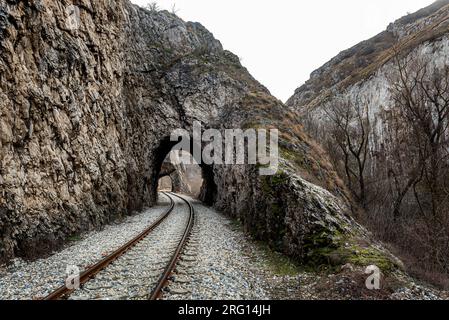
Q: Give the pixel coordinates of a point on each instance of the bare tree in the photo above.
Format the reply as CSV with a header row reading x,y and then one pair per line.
x,y
152,6
421,95
350,133
174,9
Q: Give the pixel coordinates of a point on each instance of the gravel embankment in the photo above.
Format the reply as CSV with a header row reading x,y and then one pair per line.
x,y
215,264
219,262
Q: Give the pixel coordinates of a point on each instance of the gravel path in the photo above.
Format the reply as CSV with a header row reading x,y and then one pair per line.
x,y
24,280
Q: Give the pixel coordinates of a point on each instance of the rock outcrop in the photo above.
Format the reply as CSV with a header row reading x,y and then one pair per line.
x,y
85,120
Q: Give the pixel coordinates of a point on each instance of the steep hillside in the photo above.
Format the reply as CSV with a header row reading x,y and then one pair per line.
x,y
381,111
364,59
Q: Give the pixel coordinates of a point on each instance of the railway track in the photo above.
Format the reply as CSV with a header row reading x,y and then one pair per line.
x,y
163,280
91,273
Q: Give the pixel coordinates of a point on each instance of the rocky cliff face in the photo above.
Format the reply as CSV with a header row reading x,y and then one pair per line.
x,y
365,75
355,66
85,117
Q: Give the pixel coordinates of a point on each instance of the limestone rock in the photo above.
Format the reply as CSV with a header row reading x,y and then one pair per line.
x,y
86,115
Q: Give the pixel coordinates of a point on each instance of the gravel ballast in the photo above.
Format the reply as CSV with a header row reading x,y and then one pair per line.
x,y
219,262
215,264
33,280
135,274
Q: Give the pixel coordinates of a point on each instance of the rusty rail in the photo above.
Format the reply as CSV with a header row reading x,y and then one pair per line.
x,y
157,291
63,292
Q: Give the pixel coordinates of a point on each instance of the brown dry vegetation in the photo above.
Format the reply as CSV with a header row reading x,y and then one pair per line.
x,y
403,186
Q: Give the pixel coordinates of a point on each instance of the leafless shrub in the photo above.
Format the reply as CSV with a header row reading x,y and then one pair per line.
x,y
174,9
350,130
401,179
152,6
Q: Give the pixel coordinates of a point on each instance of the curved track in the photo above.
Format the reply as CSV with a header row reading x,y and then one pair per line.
x,y
64,292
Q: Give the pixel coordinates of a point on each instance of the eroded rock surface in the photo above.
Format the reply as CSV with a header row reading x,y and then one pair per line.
x,y
85,117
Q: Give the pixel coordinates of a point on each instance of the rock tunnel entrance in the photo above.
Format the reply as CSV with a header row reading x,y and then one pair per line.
x,y
180,172
165,184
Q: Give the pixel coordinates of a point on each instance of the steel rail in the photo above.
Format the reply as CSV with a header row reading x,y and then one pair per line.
x,y
63,292
157,291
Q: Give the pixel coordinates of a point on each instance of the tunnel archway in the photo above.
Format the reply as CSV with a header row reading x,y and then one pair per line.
x,y
165,183
206,192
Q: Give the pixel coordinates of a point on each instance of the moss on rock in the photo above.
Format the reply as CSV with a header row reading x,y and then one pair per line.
x,y
331,251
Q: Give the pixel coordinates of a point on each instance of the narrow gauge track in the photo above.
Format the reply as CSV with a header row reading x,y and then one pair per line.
x,y
63,292
163,280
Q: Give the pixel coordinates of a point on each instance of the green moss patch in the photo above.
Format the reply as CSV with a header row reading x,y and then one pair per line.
x,y
370,256
271,183
326,252
278,263
74,238
296,158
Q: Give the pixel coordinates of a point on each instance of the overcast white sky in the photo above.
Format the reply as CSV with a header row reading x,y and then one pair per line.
x,y
282,41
